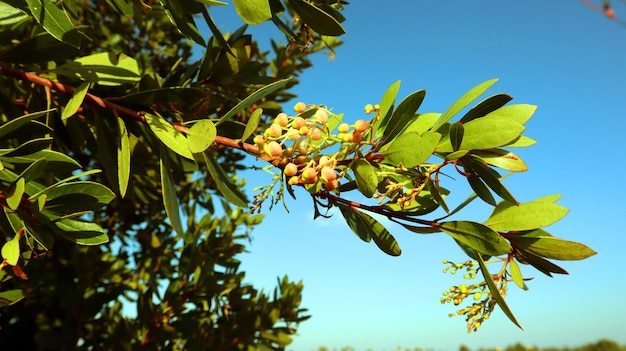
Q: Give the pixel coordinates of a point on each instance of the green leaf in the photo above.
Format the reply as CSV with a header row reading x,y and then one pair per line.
x,y
55,21
34,171
495,293
463,101
201,135
423,123
522,141
520,113
502,159
456,135
486,106
516,274
66,180
17,123
366,227
253,11
552,248
78,196
76,101
224,184
184,23
403,115
9,297
485,133
477,236
15,198
490,177
317,19
544,266
40,48
252,124
410,149
421,230
123,157
355,222
10,15
103,68
366,178
30,147
48,155
11,250
481,189
530,215
168,135
80,232
169,95
170,199
386,108
252,98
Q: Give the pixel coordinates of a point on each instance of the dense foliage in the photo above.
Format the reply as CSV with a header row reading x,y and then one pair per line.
x,y
122,209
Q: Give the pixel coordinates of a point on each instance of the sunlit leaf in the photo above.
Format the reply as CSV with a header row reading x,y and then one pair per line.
x,y
76,101
9,297
516,274
123,157
224,183
54,20
502,159
16,123
103,68
485,133
530,215
366,178
552,247
253,11
252,98
15,198
410,149
317,19
463,101
477,236
170,199
80,232
11,250
386,108
252,124
168,135
201,135
403,115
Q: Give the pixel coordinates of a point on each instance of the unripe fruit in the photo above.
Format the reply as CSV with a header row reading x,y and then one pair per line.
x,y
309,176
369,108
303,147
356,137
324,161
273,149
294,181
297,123
290,169
259,140
360,125
275,130
316,134
328,174
299,107
304,130
321,116
343,128
332,185
282,119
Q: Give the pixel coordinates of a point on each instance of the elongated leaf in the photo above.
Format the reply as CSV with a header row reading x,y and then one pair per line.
x,y
486,106
317,19
456,135
495,293
103,68
420,229
544,266
410,149
184,23
366,178
78,196
15,198
30,147
381,236
530,215
35,170
403,115
54,20
423,123
201,135
9,297
477,236
80,232
516,274
502,159
520,113
11,250
16,123
76,101
553,248
256,96
481,189
386,108
123,157
522,141
252,124
168,135
63,181
463,101
253,11
170,199
10,14
485,133
48,155
490,177
224,183
40,48
355,222
168,95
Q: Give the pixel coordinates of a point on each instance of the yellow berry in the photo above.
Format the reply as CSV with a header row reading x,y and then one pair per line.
x,y
309,176
274,131
297,123
282,119
299,107
328,173
316,134
290,169
360,125
369,108
259,140
343,128
321,116
273,149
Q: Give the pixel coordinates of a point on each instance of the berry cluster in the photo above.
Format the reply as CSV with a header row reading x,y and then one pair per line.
x,y
294,143
483,305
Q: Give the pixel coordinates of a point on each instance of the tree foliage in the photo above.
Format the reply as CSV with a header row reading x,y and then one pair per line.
x,y
119,160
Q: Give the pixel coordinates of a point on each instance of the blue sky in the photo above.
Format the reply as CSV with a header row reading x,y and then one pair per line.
x,y
559,55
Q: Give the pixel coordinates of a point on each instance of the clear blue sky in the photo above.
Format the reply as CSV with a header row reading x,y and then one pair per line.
x,y
560,55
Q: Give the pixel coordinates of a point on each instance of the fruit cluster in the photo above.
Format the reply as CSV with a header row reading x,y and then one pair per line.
x,y
295,143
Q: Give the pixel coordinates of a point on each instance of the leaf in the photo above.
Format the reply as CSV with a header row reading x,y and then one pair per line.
x,y
184,23
16,123
15,198
456,135
403,115
201,135
257,95
463,101
481,189
66,180
366,178
170,199
516,274
55,21
40,48
502,159
477,236
421,230
386,107
123,157
168,135
79,232
103,68
355,222
11,250
76,101
30,147
410,149
490,177
485,133
252,124
10,14
163,96
520,113
531,215
495,293
544,266
486,106
367,228
48,155
552,248
253,11
78,196
9,297
224,184
317,19
522,141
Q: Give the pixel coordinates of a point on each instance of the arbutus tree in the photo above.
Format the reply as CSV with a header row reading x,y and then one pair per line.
x,y
119,163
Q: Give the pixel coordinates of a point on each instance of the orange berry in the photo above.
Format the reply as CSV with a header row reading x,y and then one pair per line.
x,y
273,149
274,131
290,169
360,125
356,137
297,123
328,174
299,107
316,134
332,185
282,119
309,176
